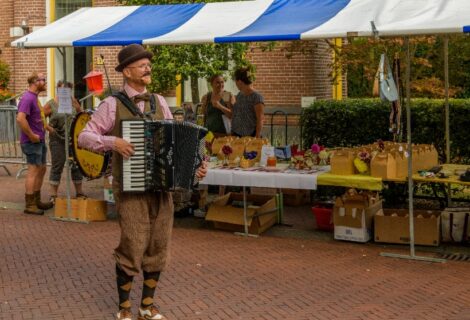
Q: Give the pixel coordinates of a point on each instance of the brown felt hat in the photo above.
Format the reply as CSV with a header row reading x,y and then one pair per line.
x,y
131,53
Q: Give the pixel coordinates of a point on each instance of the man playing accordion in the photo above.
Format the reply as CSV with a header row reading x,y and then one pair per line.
x,y
145,219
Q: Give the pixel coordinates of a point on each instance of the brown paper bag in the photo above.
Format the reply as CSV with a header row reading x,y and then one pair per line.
x,y
256,145
383,165
401,164
218,143
342,162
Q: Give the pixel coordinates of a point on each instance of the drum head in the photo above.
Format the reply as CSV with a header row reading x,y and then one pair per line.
x,y
92,165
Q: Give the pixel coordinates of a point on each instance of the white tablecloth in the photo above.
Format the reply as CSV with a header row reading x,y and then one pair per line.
x,y
289,179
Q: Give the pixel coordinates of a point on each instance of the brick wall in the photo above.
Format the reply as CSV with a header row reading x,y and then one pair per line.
x,y
24,61
6,21
283,76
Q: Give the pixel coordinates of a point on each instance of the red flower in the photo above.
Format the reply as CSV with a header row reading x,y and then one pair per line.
x,y
226,150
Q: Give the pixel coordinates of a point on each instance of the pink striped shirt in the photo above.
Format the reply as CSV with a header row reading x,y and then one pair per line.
x,y
95,134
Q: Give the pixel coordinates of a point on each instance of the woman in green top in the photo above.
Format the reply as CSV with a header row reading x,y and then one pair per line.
x,y
216,105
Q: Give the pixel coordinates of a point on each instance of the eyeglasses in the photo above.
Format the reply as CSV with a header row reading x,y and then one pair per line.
x,y
143,66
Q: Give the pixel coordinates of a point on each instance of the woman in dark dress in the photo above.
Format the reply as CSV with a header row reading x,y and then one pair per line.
x,y
248,110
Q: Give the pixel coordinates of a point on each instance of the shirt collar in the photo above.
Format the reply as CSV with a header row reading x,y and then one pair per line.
x,y
131,92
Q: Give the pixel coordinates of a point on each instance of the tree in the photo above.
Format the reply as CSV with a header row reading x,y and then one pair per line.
x,y
4,75
360,58
4,80
191,61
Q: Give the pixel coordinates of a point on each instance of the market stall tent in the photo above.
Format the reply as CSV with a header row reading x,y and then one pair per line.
x,y
260,20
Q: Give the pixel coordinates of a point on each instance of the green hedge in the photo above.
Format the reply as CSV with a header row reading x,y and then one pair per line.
x,y
354,122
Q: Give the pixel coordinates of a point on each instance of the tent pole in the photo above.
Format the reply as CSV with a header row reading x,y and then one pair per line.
x,y
410,147
447,111
412,255
446,76
67,160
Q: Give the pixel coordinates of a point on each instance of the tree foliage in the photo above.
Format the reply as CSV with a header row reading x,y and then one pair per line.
x,y
4,80
4,75
360,58
191,61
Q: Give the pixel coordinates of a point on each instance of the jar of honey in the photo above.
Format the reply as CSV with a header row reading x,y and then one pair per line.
x,y
271,161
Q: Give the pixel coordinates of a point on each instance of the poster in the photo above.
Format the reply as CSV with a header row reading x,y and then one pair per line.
x,y
65,100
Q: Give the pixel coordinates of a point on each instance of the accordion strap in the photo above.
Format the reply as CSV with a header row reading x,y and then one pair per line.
x,y
127,102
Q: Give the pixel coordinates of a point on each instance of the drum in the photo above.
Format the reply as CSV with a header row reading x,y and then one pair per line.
x,y
92,164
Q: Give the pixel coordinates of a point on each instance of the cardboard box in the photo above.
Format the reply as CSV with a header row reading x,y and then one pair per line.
x,y
353,217
291,197
262,191
295,197
342,162
393,226
81,209
261,215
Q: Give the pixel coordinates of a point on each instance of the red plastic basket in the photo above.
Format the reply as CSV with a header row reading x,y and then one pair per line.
x,y
324,218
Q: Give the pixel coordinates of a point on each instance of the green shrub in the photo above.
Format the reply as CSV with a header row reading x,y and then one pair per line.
x,y
354,122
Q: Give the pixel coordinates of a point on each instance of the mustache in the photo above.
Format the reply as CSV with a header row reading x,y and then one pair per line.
x,y
146,74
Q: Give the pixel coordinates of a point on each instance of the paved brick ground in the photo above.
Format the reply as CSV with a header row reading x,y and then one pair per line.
x,y
58,270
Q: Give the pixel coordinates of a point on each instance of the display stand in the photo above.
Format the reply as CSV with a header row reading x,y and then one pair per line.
x,y
67,157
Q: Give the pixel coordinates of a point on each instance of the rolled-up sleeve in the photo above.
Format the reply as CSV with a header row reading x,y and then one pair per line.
x,y
94,136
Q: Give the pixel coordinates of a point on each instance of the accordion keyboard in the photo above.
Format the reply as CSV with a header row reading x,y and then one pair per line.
x,y
167,155
133,173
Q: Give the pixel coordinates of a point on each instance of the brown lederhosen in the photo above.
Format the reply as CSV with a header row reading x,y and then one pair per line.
x,y
146,219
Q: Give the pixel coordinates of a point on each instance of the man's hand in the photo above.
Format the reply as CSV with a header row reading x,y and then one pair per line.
x,y
34,138
202,170
124,148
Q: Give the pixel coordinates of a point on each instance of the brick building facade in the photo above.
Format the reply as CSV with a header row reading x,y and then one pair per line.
x,y
281,79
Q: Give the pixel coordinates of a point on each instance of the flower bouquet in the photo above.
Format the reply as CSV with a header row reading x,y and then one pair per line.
x,y
226,151
362,162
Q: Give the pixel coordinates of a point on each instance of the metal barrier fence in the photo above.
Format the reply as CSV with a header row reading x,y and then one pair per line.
x,y
10,150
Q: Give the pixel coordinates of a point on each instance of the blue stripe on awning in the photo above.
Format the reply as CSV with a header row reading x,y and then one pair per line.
x,y
287,20
144,23
466,29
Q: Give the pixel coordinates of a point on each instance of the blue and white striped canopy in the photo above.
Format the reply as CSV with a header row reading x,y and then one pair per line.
x,y
243,21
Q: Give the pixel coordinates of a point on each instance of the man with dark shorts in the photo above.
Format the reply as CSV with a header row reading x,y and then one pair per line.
x,y
30,121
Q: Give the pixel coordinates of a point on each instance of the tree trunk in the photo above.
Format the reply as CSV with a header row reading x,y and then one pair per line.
x,y
194,90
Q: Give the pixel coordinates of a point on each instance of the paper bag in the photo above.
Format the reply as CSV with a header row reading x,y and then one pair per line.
x,y
383,165
342,162
266,152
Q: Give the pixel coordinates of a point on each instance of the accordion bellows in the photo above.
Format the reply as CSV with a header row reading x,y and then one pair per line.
x,y
167,155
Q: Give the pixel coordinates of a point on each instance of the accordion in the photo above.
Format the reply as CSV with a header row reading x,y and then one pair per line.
x,y
167,155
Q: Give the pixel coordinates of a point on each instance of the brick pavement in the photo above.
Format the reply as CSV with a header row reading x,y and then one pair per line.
x,y
58,270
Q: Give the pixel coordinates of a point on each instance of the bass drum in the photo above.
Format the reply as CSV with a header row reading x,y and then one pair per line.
x,y
92,164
